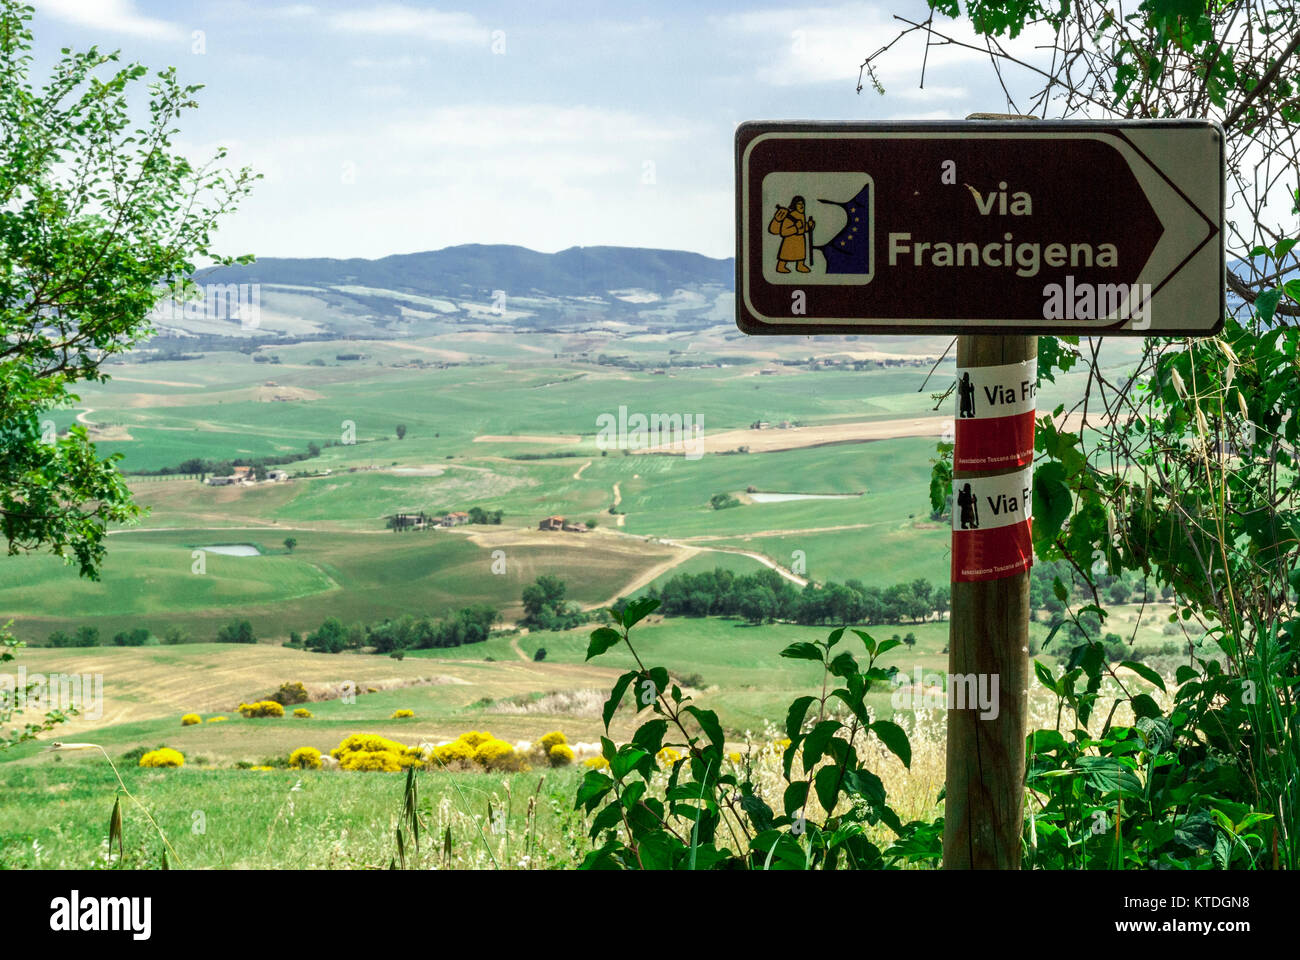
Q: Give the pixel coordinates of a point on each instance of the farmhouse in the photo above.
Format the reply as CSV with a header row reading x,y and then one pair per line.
x,y
575,527
551,523
408,521
455,519
277,476
243,473
223,481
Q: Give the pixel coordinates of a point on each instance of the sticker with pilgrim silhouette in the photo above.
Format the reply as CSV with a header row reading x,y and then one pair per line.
x,y
995,416
991,526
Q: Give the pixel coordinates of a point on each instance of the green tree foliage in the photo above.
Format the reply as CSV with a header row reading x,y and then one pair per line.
x,y
236,631
545,607
97,211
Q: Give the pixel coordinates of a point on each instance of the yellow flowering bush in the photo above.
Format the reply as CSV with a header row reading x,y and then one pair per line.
x,y
262,708
301,712
560,755
217,719
260,768
402,714
496,755
190,719
163,757
667,757
554,738
305,758
474,738
596,763
370,751
384,761
454,754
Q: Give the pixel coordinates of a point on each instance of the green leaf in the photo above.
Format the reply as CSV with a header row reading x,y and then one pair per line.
x,y
708,721
602,639
1051,502
895,739
795,798
594,785
1046,679
868,641
803,650
626,760
650,735
886,645
844,665
828,782
1266,304
794,719
815,744
1145,672
637,610
616,696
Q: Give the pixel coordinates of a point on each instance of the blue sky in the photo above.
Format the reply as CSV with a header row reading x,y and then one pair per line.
x,y
397,127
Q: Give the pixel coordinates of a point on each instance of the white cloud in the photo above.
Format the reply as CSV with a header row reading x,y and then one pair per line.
x,y
826,45
114,16
397,20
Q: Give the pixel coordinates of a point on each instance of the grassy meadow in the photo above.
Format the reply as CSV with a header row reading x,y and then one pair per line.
x,y
501,423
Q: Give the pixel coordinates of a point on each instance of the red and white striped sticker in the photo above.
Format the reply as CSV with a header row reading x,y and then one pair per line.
x,y
995,416
991,526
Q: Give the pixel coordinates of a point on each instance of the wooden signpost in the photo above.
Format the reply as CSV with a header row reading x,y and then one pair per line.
x,y
996,230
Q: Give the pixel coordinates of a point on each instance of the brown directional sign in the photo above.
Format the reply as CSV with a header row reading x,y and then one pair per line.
x,y
1105,227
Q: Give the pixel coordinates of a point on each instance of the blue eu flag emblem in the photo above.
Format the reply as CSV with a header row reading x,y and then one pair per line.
x,y
849,250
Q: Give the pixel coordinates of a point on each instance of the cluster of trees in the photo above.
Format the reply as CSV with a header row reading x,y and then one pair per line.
x,y
767,596
545,606
467,625
479,515
223,468
88,636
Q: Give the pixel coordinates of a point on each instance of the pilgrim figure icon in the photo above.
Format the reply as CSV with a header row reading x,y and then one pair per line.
x,y
968,505
795,228
965,397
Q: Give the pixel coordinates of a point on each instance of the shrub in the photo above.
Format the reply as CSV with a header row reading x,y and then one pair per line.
x,y
596,763
262,708
217,719
474,738
369,751
551,739
236,631
560,755
382,761
496,755
301,712
163,757
456,753
305,758
402,714
291,693
190,719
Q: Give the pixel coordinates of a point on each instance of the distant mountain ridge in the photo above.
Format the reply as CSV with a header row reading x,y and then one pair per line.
x,y
577,271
